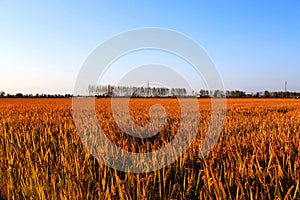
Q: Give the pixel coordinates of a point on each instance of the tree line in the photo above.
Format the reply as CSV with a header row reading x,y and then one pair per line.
x,y
21,95
132,91
127,91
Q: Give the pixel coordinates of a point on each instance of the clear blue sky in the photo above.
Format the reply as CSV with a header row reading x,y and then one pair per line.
x,y
254,44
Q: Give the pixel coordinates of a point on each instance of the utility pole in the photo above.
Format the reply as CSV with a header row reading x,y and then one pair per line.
x,y
285,86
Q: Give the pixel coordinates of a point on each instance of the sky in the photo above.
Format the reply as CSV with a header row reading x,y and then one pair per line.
x,y
255,45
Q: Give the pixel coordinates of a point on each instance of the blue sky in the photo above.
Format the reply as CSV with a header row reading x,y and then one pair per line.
x,y
255,45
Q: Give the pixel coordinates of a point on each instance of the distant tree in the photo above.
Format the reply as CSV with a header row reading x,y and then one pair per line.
x,y
183,92
267,93
237,93
2,94
218,93
91,89
110,90
287,94
19,95
257,94
204,93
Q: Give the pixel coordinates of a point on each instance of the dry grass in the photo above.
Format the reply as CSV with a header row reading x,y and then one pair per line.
x,y
257,157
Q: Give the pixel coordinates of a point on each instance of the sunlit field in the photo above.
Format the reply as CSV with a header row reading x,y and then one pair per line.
x,y
257,156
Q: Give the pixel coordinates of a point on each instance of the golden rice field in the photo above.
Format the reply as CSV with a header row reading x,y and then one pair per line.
x,y
257,156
